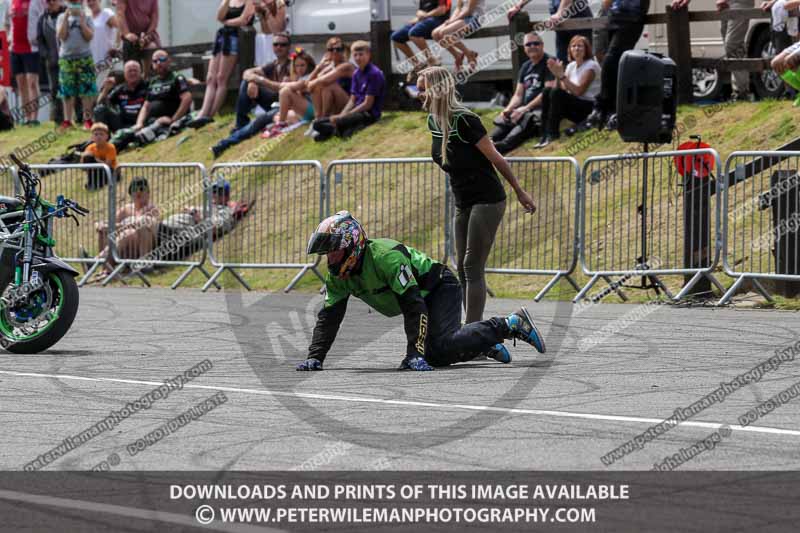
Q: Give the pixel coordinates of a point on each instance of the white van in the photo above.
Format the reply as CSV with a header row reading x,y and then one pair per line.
x,y
194,21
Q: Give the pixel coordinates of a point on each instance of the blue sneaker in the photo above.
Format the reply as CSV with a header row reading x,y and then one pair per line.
x,y
309,364
521,326
499,353
416,363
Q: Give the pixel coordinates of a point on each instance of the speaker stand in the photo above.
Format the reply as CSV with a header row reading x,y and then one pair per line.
x,y
649,281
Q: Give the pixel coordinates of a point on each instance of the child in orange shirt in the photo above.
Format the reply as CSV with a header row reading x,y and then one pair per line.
x,y
100,150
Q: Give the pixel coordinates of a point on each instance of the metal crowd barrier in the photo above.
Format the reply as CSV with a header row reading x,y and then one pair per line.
x,y
399,198
670,219
282,204
8,182
761,219
545,243
91,186
146,239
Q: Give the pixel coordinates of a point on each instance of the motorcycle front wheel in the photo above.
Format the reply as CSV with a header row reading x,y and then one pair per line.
x,y
31,323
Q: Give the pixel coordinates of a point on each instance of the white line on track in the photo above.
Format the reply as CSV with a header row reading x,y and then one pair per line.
x,y
131,512
409,403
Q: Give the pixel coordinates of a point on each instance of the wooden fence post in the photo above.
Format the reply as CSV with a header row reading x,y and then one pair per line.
x,y
680,50
380,37
520,24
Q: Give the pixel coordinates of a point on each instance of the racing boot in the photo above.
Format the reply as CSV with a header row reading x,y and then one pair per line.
x,y
521,326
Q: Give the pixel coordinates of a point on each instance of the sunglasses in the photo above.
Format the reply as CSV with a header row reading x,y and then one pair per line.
x,y
336,49
160,60
281,44
533,43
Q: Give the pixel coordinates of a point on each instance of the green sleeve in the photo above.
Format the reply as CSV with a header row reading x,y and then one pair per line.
x,y
398,272
335,291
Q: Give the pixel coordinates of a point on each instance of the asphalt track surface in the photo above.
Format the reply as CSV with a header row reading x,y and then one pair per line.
x,y
561,411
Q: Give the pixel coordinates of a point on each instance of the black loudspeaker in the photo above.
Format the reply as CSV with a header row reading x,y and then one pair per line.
x,y
646,99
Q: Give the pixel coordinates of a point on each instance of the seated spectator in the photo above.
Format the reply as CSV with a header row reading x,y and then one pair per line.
x,y
48,52
430,15
105,30
119,105
6,121
138,27
75,30
221,216
136,228
167,104
295,102
100,150
290,104
329,83
272,20
364,107
260,85
233,14
520,120
786,64
575,92
465,19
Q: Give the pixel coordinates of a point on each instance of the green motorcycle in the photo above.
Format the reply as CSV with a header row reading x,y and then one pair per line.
x,y
40,295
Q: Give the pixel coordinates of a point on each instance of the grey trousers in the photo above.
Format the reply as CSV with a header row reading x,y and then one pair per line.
x,y
475,228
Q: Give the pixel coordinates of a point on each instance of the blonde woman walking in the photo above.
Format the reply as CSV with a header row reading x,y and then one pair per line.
x,y
462,148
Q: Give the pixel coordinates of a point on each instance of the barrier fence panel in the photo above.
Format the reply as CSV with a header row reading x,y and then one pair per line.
x,y
91,186
159,218
761,217
402,199
650,214
8,184
279,206
546,242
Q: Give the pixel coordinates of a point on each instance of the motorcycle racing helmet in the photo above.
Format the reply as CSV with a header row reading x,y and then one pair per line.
x,y
340,232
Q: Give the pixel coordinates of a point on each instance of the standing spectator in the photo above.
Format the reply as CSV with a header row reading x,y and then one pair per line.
x,y
518,121
367,91
75,65
464,19
734,32
233,14
626,23
330,82
430,15
295,102
138,26
461,147
260,85
118,106
272,20
48,50
105,29
21,22
168,101
576,89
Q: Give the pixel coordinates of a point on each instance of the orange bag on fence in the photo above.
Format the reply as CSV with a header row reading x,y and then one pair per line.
x,y
5,61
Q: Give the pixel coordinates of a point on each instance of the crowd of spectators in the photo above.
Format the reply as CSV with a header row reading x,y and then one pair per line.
x,y
336,94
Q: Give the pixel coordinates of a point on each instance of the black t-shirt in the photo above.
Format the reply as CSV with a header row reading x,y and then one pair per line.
x,y
129,101
533,78
164,95
472,176
275,71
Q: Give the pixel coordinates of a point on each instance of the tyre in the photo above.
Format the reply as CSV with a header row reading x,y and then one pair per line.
x,y
706,84
766,84
34,324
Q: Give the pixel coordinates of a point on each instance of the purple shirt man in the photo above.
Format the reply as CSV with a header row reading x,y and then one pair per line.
x,y
369,81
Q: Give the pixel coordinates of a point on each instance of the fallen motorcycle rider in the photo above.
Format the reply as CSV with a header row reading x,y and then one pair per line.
x,y
396,279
